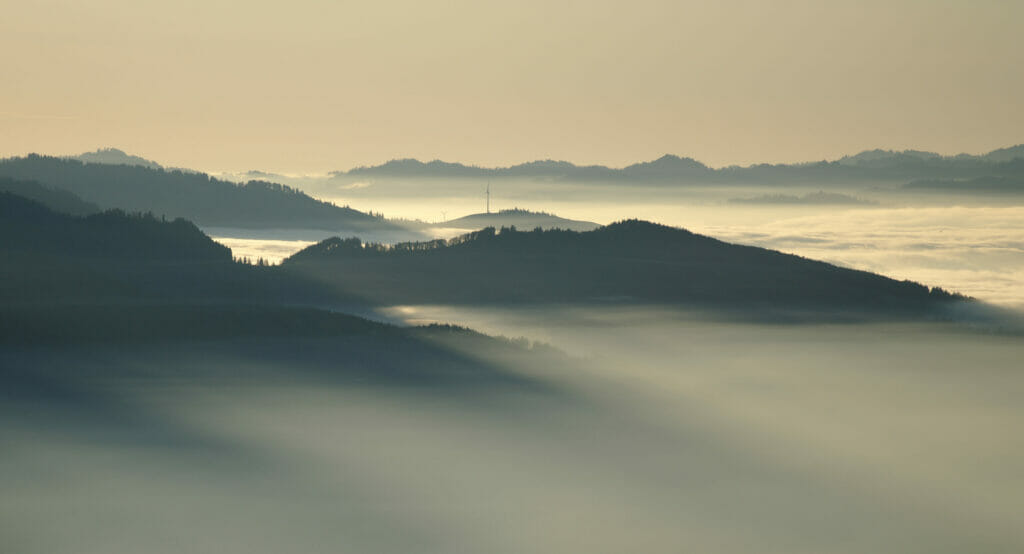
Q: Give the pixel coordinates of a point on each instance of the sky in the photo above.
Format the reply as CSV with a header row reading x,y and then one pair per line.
x,y
310,86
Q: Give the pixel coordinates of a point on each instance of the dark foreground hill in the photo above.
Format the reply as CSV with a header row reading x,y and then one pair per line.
x,y
631,261
194,196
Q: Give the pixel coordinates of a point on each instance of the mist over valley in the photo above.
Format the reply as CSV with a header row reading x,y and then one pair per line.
x,y
443,364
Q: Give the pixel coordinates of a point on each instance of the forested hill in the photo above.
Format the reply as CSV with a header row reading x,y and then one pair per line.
x,y
118,259
522,219
633,261
30,228
194,196
114,156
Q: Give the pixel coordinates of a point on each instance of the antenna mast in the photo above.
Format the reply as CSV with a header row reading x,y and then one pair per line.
x,y
488,196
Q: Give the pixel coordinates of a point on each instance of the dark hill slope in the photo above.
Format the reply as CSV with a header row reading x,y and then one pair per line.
x,y
631,260
194,196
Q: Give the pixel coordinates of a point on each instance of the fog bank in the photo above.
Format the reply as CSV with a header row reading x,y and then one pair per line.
x,y
665,431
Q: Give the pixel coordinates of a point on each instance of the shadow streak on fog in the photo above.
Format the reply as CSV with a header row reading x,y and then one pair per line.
x,y
664,432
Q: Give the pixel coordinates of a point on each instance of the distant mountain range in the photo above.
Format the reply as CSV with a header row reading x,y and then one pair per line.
x,y
872,165
195,196
926,170
663,168
631,261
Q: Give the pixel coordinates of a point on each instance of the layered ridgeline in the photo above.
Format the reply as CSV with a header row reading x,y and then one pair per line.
x,y
195,196
868,166
113,284
630,261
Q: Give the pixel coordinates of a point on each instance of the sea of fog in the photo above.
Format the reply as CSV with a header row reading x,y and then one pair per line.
x,y
975,250
662,431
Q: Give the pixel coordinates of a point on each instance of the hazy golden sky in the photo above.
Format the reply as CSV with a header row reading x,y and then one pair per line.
x,y
315,85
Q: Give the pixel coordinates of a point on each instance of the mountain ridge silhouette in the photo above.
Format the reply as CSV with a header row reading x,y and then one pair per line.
x,y
632,260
